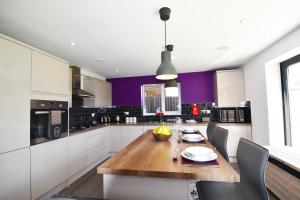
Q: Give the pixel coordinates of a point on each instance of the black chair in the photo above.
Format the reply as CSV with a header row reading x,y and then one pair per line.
x,y
219,140
209,130
252,160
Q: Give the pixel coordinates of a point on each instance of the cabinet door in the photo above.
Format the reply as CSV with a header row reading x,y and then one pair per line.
x,y
101,89
49,75
202,129
15,175
94,145
15,61
130,133
115,138
49,166
77,155
106,139
146,128
236,132
230,88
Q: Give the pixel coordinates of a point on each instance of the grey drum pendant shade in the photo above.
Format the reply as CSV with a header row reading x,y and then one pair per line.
x,y
166,70
171,88
171,84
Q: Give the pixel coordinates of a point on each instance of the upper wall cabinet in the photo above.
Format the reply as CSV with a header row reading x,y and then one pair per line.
x,y
101,90
230,88
49,75
15,67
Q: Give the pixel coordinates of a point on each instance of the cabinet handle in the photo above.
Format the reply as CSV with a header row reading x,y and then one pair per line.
x,y
41,112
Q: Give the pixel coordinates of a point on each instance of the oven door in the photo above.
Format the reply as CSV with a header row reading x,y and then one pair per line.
x,y
39,124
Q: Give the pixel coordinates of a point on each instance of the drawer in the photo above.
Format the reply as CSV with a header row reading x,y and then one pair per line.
x,y
93,140
94,154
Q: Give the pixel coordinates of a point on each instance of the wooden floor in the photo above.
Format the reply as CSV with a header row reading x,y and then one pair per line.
x,y
90,186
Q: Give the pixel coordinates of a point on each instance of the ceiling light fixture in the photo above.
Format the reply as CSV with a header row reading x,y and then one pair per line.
x,y
166,70
222,48
100,60
72,44
116,70
242,20
171,88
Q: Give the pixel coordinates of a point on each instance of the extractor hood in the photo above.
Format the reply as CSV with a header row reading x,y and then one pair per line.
x,y
77,90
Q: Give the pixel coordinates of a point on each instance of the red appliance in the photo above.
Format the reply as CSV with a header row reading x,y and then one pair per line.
x,y
195,110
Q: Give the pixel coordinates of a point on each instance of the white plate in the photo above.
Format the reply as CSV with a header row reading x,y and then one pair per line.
x,y
190,130
199,154
192,137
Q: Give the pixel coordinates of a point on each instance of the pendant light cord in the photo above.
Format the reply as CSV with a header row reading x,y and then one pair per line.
x,y
165,35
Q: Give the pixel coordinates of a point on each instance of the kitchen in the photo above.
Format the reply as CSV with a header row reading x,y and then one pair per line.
x,y
79,107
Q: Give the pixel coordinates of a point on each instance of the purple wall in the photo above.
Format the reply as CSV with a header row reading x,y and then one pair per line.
x,y
196,87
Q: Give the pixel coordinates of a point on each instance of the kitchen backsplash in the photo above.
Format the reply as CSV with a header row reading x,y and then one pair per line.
x,y
83,116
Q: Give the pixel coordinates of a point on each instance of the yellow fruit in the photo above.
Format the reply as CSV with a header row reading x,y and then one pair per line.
x,y
163,130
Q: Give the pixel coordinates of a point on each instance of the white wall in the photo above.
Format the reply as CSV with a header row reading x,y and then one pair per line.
x,y
256,86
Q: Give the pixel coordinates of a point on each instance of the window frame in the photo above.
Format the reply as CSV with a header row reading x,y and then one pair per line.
x,y
163,106
285,97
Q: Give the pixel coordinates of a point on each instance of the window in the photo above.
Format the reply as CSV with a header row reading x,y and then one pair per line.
x,y
154,99
290,79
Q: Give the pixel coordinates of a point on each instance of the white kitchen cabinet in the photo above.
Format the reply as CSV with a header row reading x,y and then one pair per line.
x,y
230,88
15,175
102,91
106,139
147,127
115,138
49,166
235,133
77,154
15,67
130,133
49,75
94,145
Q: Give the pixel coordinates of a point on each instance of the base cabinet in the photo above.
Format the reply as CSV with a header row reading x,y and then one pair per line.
x,y
77,158
130,133
94,145
236,132
49,166
115,138
15,175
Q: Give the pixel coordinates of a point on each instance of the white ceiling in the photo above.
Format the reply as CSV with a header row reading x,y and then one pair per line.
x,y
128,34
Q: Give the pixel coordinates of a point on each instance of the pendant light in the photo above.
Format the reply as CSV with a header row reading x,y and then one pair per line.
x,y
171,88
166,70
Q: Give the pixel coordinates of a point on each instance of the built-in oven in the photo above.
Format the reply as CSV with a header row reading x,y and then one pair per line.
x,y
48,120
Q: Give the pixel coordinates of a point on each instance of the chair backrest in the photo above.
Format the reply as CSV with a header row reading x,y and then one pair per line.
x,y
209,130
219,140
252,160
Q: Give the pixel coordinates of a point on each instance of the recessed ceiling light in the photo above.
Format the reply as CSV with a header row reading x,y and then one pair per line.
x,y
72,44
242,20
222,48
99,60
116,70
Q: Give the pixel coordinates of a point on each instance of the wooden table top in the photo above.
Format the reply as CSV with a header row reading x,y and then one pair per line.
x,y
149,158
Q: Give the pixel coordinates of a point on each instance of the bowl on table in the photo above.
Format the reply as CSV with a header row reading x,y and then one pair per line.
x,y
162,133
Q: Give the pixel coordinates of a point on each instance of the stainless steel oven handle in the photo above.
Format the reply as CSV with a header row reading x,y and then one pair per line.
x,y
41,112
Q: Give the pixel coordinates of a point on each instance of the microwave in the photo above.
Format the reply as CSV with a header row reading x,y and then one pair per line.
x,y
48,120
238,114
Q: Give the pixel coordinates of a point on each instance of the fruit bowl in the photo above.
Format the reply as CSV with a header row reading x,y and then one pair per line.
x,y
162,133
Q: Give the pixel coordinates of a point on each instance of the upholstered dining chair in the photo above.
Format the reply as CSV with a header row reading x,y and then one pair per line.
x,y
219,140
252,160
209,130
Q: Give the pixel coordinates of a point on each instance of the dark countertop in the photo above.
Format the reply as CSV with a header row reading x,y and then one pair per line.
x,y
78,131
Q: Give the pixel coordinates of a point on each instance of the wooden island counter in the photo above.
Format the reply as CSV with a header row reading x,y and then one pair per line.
x,y
145,169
